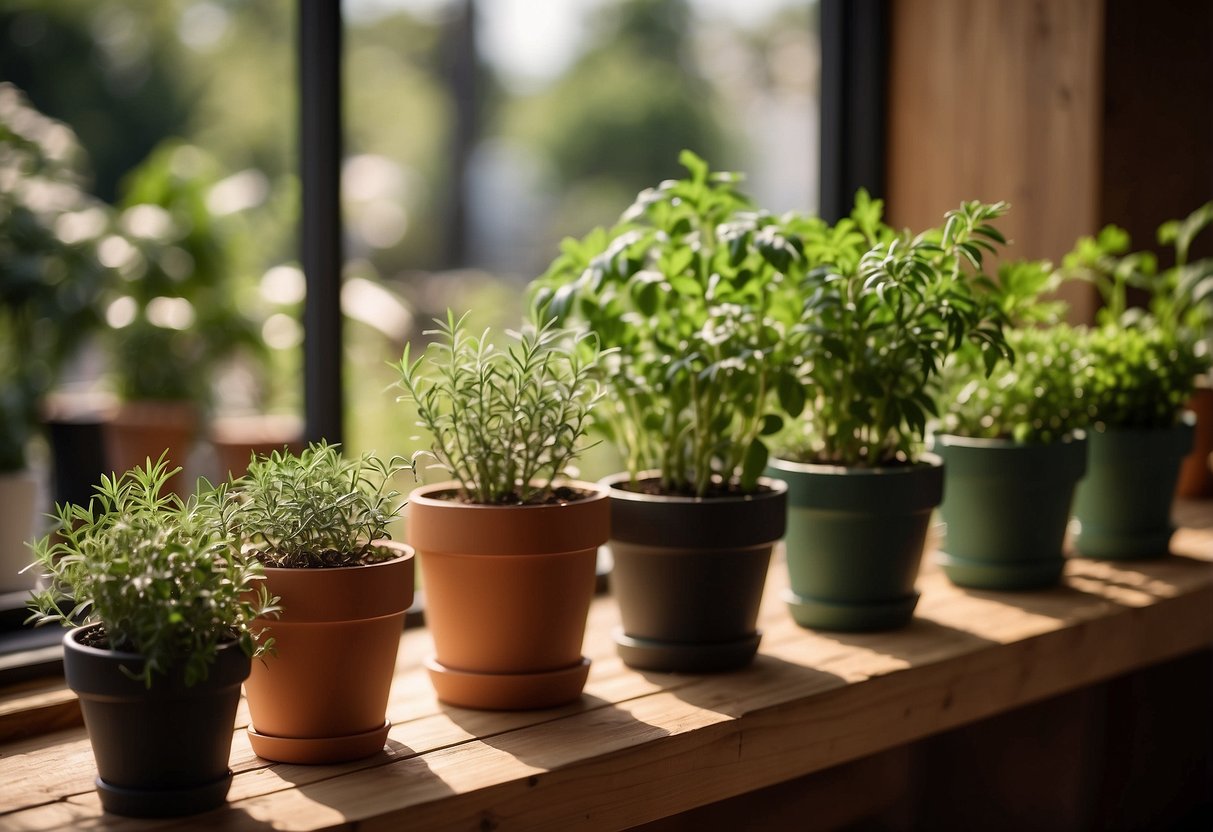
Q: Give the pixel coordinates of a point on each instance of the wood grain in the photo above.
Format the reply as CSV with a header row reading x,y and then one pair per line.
x,y
641,746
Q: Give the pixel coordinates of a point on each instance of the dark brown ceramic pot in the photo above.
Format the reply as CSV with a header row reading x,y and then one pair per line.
x,y
161,751
507,592
322,698
689,573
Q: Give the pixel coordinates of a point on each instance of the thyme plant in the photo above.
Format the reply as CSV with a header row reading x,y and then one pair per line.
x,y
691,287
505,423
164,577
317,509
1146,359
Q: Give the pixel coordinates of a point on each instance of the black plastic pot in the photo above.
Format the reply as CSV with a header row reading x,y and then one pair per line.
x,y
1123,507
78,449
160,751
689,573
855,541
1006,510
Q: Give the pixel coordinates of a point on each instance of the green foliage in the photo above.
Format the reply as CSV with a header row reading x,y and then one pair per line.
x,y
882,312
1039,398
176,282
50,274
317,509
1146,360
504,423
165,577
690,287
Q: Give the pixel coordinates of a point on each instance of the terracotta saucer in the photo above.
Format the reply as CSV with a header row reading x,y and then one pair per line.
x,y
508,691
318,750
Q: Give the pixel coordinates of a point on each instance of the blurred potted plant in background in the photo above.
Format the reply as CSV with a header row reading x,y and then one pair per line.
x,y
1145,362
509,546
1012,442
50,277
882,312
173,315
166,604
690,291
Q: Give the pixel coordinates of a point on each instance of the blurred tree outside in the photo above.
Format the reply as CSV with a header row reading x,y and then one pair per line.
x,y
555,156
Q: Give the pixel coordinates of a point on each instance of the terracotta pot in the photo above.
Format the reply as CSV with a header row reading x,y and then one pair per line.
x,y
689,574
507,591
323,697
1195,476
161,751
144,430
237,438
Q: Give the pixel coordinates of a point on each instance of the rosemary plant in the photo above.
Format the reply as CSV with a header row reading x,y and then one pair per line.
x,y
317,509
165,577
505,423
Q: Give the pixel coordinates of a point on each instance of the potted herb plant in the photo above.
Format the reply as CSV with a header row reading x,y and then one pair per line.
x,y
318,524
167,605
883,311
1145,362
508,547
1013,444
690,289
173,315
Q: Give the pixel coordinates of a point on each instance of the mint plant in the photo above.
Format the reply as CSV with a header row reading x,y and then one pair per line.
x,y
165,577
317,509
1146,359
882,312
691,288
505,423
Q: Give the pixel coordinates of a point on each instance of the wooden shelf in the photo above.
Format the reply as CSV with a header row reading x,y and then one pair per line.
x,y
642,746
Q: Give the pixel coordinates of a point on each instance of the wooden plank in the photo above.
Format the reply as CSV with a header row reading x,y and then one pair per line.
x,y
641,746
999,101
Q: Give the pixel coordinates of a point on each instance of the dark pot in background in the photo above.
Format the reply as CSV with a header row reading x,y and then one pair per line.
x,y
1006,510
689,574
160,751
1123,507
855,541
75,425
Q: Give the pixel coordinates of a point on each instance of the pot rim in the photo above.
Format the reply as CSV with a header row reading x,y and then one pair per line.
x,y
404,552
421,495
925,461
612,483
960,440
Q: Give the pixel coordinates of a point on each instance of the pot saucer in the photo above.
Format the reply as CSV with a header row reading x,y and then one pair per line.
x,y
163,803
318,750
1033,573
862,617
685,657
508,691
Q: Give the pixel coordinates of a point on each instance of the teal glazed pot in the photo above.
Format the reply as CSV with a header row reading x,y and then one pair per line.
x,y
1006,510
854,541
689,573
1123,507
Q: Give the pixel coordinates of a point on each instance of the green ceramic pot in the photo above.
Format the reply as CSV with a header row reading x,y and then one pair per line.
x,y
1123,507
688,575
1006,510
855,539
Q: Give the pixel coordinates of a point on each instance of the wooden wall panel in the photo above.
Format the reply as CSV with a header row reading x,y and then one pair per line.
x,y
998,100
